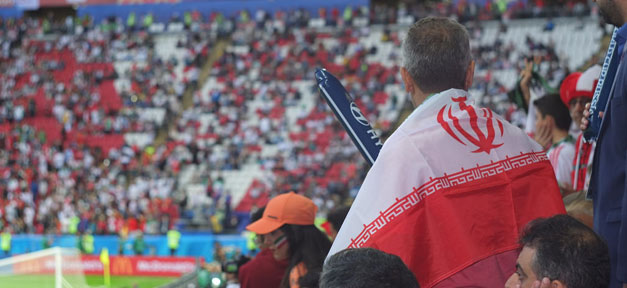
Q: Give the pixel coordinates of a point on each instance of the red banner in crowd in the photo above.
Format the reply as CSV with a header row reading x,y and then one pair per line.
x,y
119,265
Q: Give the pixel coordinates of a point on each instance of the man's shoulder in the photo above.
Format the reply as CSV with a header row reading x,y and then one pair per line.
x,y
568,145
561,148
399,142
257,260
266,260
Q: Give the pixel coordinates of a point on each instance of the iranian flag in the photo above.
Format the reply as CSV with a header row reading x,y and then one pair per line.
x,y
450,192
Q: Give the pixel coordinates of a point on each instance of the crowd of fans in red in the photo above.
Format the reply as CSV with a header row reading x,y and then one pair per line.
x,y
65,162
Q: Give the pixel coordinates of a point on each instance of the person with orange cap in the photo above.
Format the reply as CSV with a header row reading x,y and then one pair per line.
x,y
576,91
263,270
288,228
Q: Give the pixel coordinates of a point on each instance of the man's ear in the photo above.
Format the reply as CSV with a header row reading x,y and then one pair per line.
x,y
407,80
470,74
558,284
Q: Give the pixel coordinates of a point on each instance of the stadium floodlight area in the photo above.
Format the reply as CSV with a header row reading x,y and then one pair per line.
x,y
49,268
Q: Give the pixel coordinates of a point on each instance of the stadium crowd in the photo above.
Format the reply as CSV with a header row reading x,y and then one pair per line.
x,y
65,113
100,124
66,166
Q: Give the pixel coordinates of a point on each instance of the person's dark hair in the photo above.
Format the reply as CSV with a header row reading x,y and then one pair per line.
x,y
436,53
336,217
257,214
308,245
568,251
366,267
552,105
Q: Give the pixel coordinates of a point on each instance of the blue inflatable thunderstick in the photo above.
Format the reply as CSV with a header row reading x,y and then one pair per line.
x,y
345,109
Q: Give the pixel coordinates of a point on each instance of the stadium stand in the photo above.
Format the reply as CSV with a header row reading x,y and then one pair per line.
x,y
110,128
82,108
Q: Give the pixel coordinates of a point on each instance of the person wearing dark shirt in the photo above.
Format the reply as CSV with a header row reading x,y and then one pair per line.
x,y
336,218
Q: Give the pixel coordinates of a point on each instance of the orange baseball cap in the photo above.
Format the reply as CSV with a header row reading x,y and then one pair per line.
x,y
288,208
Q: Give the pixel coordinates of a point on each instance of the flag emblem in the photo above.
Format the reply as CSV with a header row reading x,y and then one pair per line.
x,y
483,143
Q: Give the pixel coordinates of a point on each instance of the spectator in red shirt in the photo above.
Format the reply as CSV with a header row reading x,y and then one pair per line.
x,y
263,270
288,223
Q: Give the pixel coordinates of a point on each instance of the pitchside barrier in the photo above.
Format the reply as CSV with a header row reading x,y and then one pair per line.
x,y
191,245
118,265
139,265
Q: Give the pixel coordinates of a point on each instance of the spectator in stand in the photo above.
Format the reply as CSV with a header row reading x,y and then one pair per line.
x,y
561,252
5,241
366,267
139,245
550,111
336,218
288,226
86,242
532,90
219,253
576,91
437,72
263,270
174,239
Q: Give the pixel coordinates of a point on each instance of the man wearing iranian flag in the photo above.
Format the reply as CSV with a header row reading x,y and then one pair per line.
x,y
455,184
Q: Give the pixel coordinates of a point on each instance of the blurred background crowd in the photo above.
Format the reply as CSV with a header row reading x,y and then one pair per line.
x,y
116,126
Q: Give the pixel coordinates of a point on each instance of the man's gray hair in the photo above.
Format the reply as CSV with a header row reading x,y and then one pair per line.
x,y
436,53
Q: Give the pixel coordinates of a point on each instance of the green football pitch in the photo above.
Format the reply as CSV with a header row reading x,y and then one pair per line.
x,y
45,281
